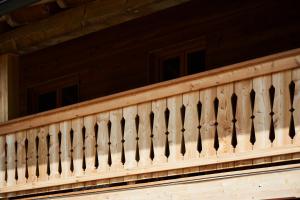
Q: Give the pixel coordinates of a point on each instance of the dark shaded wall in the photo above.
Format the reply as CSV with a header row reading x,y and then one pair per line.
x,y
117,58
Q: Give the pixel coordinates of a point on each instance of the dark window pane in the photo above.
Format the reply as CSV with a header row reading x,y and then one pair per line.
x,y
196,62
69,95
47,101
171,68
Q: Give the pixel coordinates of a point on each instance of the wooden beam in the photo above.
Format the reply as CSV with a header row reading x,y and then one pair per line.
x,y
245,70
79,21
263,183
9,77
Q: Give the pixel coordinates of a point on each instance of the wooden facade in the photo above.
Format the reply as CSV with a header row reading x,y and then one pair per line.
x,y
226,126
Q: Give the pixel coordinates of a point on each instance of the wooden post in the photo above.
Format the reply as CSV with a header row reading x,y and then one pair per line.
x,y
9,77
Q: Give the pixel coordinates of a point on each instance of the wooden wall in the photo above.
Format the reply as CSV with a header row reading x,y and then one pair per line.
x,y
117,58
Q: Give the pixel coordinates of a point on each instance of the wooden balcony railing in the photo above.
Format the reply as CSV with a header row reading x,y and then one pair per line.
x,y
244,114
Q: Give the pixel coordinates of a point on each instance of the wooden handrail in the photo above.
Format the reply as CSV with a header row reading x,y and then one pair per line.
x,y
244,70
241,115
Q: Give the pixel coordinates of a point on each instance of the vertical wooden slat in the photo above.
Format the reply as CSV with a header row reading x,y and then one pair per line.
x,y
174,105
54,151
296,79
31,155
102,141
77,125
116,142
243,117
224,120
11,157
2,161
159,137
207,97
65,128
42,153
90,143
21,156
130,135
190,101
144,132
262,109
282,114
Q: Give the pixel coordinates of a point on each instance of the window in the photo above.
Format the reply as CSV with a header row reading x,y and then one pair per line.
x,y
178,60
53,94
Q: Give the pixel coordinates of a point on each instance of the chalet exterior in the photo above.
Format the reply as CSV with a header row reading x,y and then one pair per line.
x,y
168,99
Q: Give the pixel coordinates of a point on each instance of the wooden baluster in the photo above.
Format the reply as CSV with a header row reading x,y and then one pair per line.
x,y
21,157
65,128
224,119
77,125
42,153
2,161
144,131
207,98
262,120
190,101
130,137
296,79
90,142
282,114
243,119
116,143
174,104
54,151
11,157
159,137
102,141
31,155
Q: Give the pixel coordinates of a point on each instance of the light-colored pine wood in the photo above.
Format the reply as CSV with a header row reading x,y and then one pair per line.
x,y
54,151
190,101
11,157
262,118
2,161
220,76
159,136
208,119
102,141
205,163
243,117
116,143
144,133
296,79
90,143
282,114
42,153
31,155
174,104
130,135
65,128
224,120
21,156
77,125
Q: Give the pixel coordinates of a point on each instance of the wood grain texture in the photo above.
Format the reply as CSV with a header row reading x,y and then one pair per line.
x,y
54,151
282,115
65,128
90,143
42,153
262,118
174,104
77,125
2,161
31,155
243,117
11,157
21,156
